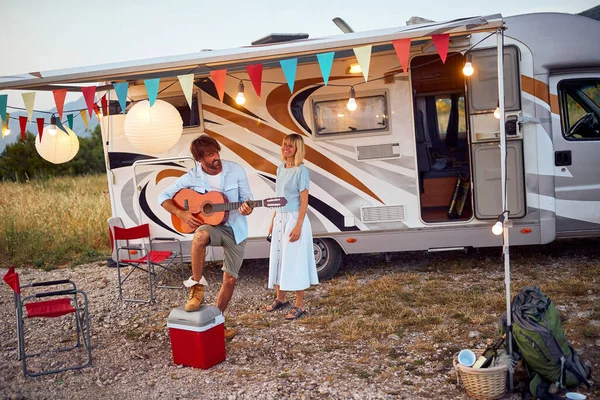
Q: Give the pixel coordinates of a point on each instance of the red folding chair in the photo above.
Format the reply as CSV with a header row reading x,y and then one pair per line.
x,y
154,263
66,302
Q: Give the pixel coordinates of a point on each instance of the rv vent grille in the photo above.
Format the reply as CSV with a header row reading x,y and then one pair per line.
x,y
382,213
378,151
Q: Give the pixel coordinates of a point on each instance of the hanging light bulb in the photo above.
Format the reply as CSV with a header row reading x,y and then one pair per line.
x,y
52,126
6,130
352,100
497,113
468,69
498,227
240,98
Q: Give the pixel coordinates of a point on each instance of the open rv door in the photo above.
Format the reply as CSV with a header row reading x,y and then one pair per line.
x,y
576,137
482,88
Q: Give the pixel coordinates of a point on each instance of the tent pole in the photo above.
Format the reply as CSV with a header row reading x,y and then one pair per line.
x,y
506,224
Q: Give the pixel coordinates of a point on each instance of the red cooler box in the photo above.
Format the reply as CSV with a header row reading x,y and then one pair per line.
x,y
197,338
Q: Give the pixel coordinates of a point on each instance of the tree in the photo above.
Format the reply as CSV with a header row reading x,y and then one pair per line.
x,y
20,161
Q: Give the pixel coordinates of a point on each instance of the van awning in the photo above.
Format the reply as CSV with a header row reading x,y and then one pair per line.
x,y
201,63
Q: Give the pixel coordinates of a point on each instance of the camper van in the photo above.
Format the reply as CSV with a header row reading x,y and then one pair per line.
x,y
416,165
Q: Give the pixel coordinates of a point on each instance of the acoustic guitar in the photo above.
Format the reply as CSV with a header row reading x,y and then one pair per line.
x,y
213,208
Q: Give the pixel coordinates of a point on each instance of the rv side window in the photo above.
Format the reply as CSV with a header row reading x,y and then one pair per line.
x,y
332,117
190,116
444,110
580,108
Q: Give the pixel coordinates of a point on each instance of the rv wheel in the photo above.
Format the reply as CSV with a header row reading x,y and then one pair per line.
x,y
328,256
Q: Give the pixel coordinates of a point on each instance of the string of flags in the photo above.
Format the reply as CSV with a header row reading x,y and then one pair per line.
x,y
289,66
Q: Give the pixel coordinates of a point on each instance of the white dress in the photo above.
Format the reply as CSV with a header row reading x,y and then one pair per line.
x,y
291,264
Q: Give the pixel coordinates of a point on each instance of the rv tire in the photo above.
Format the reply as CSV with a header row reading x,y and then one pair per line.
x,y
328,256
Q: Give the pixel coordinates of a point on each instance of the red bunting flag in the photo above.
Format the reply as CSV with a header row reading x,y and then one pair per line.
x,y
59,100
12,279
255,74
40,124
88,94
104,105
23,124
218,78
441,44
402,47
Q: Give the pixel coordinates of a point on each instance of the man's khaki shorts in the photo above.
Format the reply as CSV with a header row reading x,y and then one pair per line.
x,y
222,235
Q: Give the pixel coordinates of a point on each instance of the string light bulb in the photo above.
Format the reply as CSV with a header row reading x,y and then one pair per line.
x,y
52,126
497,110
240,98
498,227
351,105
468,69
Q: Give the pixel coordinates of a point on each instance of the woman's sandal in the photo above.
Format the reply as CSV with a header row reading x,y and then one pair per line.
x,y
277,304
295,314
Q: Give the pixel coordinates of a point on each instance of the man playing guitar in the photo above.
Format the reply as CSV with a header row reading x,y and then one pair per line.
x,y
227,177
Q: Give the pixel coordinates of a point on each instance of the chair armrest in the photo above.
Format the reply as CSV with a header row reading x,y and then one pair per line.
x,y
166,239
48,283
57,293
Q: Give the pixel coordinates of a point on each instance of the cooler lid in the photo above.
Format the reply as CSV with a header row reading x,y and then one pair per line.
x,y
204,316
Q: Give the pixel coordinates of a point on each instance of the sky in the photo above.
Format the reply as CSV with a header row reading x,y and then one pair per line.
x,y
43,35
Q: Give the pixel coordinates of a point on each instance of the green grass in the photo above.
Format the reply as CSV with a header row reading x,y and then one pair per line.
x,y
54,223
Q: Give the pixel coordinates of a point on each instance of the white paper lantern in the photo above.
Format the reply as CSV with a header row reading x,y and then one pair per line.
x,y
153,129
58,148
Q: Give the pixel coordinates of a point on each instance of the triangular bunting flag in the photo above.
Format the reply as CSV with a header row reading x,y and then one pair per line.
x,y
40,124
104,105
218,77
363,55
3,104
60,126
441,44
59,100
121,90
402,47
12,280
88,94
255,74
187,85
28,99
23,126
70,121
84,118
97,111
152,89
289,70
325,63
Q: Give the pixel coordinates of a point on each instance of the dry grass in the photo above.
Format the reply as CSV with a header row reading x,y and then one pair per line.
x,y
55,222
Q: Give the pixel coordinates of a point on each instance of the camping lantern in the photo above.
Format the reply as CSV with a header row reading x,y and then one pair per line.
x,y
58,148
153,129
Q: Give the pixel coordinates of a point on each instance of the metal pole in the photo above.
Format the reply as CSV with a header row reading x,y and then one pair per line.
x,y
505,246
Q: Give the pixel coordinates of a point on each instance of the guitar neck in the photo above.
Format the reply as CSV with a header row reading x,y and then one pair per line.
x,y
235,205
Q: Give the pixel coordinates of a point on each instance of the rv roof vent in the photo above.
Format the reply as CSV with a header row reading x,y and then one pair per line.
x,y
280,37
417,21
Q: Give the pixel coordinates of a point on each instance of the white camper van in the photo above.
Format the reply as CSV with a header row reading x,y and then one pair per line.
x,y
416,166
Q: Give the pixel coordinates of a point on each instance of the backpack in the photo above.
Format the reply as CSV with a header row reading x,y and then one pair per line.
x,y
539,338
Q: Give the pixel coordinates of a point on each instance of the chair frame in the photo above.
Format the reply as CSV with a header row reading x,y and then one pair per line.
x,y
149,260
81,315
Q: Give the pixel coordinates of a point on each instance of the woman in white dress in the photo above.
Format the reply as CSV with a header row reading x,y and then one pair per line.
x,y
292,263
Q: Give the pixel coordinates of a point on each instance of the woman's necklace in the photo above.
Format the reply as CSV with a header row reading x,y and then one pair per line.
x,y
289,165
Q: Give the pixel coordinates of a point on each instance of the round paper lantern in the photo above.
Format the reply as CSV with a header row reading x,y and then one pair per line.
x,y
153,129
58,148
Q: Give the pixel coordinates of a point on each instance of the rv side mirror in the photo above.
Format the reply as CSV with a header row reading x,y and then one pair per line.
x,y
511,125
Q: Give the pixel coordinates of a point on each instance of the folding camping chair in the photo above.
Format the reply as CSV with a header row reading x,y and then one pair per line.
x,y
150,261
63,302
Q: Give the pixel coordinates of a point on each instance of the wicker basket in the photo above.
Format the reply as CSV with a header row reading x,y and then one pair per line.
x,y
482,383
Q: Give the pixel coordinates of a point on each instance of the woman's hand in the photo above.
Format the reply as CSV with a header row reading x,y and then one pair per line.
x,y
295,233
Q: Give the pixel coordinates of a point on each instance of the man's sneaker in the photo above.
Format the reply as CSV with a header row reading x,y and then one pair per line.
x,y
196,298
230,333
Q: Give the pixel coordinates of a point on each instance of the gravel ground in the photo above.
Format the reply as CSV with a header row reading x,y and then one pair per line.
x,y
275,359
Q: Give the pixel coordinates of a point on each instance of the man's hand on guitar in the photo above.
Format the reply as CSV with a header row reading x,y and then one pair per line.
x,y
245,208
189,219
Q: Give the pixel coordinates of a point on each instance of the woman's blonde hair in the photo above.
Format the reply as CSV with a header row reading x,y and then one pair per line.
x,y
295,140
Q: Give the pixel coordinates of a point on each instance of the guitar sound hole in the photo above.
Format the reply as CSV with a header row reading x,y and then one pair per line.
x,y
207,208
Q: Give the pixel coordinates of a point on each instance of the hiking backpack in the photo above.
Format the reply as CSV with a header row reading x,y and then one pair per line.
x,y
540,339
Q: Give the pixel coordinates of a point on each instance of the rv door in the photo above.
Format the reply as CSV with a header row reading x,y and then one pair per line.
x,y
484,129
576,138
